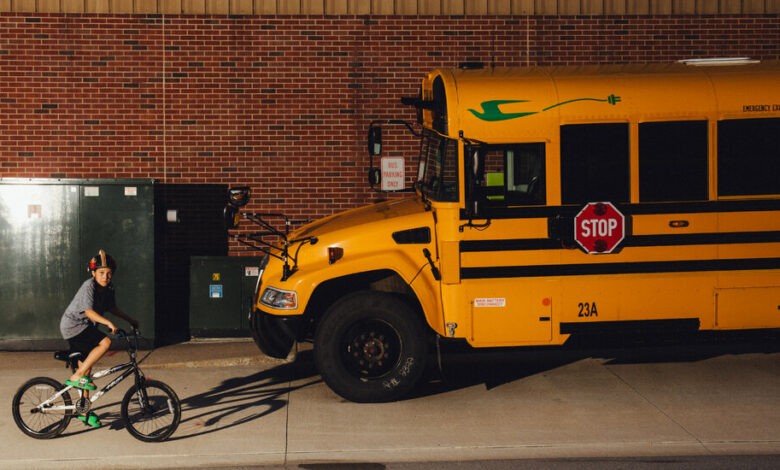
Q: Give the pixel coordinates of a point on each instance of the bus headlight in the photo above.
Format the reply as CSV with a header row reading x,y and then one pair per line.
x,y
277,298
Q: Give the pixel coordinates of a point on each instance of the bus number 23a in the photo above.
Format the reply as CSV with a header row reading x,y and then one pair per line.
x,y
588,309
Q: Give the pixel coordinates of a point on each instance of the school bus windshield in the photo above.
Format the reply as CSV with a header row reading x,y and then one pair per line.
x,y
438,172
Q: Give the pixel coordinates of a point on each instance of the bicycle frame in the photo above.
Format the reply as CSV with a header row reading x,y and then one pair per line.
x,y
132,368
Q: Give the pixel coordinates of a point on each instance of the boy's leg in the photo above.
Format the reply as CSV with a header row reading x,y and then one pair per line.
x,y
84,392
85,366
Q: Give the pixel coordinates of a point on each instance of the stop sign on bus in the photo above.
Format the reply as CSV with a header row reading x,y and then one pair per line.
x,y
599,227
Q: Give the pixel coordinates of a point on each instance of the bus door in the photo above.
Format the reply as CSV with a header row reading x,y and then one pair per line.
x,y
506,303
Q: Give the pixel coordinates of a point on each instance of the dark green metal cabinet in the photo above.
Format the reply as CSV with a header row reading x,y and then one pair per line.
x,y
39,244
48,231
120,219
221,290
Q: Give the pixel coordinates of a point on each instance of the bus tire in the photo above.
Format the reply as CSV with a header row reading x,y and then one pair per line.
x,y
370,347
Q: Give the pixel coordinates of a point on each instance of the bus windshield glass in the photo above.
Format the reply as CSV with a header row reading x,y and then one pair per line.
x,y
438,172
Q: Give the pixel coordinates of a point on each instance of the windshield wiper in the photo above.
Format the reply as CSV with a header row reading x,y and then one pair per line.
x,y
420,187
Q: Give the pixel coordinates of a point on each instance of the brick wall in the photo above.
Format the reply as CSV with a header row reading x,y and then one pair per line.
x,y
281,103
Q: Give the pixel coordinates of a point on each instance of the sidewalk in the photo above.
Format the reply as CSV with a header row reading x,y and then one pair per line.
x,y
240,408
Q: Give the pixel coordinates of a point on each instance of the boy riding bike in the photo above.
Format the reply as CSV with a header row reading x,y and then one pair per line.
x,y
79,324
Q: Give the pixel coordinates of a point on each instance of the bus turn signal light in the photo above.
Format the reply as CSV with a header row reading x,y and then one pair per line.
x,y
334,254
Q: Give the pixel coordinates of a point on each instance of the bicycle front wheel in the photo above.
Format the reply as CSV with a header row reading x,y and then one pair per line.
x,y
151,412
41,421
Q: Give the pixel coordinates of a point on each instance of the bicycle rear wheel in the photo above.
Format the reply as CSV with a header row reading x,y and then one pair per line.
x,y
151,412
41,422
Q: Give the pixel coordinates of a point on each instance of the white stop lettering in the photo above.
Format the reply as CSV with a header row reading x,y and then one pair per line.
x,y
598,227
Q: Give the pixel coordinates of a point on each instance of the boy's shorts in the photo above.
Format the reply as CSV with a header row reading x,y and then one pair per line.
x,y
86,341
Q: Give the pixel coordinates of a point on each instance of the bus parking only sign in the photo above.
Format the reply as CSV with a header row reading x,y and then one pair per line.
x,y
392,173
599,227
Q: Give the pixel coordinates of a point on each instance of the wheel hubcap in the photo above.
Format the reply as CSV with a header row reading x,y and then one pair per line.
x,y
372,349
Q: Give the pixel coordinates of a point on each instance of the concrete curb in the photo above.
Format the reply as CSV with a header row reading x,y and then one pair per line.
x,y
202,353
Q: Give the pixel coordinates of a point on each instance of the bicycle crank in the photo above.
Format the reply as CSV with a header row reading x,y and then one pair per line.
x,y
83,405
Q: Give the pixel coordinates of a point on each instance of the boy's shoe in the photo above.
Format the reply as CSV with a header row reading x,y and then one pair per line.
x,y
83,383
90,419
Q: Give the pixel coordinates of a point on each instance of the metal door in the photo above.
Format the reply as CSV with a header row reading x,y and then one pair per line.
x,y
39,250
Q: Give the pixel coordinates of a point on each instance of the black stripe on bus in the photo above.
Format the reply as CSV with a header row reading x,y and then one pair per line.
x,y
523,244
674,324
630,209
526,244
703,239
548,270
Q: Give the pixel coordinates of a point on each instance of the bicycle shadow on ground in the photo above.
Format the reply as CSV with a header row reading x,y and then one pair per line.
x,y
233,402
464,367
240,400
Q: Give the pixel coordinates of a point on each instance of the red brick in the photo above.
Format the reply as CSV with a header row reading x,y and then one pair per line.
x,y
330,76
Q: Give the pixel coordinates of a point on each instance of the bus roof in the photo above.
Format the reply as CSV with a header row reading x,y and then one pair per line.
x,y
517,104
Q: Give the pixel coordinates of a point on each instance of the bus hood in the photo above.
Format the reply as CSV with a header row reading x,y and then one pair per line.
x,y
369,215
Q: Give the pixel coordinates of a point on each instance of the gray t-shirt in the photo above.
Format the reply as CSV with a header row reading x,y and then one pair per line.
x,y
90,296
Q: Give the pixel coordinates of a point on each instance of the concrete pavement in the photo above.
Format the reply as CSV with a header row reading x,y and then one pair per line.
x,y
241,408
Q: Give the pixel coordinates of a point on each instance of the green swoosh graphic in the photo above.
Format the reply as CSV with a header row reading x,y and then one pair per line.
x,y
490,111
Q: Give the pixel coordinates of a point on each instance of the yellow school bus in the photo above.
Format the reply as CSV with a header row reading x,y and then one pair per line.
x,y
548,202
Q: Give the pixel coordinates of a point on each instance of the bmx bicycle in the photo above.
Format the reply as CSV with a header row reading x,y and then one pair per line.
x,y
43,407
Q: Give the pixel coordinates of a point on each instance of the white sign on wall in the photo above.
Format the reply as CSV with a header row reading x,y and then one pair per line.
x,y
393,173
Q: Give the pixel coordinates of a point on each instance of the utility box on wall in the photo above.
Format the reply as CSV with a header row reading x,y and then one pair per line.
x,y
221,289
48,231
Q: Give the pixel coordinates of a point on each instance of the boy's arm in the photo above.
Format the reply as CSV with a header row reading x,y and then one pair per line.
x,y
124,316
98,318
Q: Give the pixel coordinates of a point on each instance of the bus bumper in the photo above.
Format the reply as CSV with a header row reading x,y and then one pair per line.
x,y
274,334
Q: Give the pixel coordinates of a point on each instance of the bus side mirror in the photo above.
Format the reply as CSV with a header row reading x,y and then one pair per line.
x,y
375,141
239,197
231,217
374,176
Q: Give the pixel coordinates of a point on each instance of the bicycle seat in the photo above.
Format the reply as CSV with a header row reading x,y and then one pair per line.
x,y
71,358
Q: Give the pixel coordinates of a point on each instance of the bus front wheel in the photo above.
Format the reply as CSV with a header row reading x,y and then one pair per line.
x,y
370,347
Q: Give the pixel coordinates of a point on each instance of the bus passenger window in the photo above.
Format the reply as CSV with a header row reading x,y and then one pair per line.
x,y
673,161
594,163
514,175
748,157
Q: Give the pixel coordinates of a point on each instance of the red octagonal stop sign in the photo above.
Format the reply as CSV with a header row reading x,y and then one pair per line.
x,y
599,227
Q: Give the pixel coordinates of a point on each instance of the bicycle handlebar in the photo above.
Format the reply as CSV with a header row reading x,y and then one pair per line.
x,y
120,332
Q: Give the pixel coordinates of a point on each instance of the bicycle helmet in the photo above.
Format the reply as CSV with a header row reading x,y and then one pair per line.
x,y
101,260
